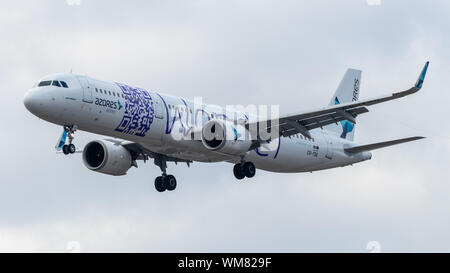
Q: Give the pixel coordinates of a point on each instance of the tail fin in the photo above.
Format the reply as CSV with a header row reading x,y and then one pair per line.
x,y
347,91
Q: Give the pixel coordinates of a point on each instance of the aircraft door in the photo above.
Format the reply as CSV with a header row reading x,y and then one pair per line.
x,y
87,89
329,142
158,107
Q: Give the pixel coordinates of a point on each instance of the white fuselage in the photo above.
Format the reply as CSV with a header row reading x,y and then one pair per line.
x,y
149,118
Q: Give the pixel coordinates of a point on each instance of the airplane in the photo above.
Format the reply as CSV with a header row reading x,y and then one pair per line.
x,y
149,125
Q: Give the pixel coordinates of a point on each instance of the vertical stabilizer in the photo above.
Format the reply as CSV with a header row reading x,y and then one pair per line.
x,y
347,91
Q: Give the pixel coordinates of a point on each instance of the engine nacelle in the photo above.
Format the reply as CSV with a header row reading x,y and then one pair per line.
x,y
225,137
107,157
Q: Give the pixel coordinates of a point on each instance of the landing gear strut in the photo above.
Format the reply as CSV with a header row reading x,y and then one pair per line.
x,y
244,169
69,148
164,182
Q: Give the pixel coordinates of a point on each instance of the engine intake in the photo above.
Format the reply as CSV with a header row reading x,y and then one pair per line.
x,y
106,157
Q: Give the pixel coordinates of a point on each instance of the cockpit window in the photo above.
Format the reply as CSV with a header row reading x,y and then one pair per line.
x,y
54,83
45,83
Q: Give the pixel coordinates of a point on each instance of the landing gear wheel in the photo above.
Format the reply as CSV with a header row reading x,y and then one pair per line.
x,y
159,185
69,131
65,149
71,148
249,169
238,172
170,182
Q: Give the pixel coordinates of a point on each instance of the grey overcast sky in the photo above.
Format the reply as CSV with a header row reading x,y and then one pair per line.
x,y
290,53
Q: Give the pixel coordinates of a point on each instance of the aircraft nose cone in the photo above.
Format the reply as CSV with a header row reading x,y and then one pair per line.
x,y
31,101
28,101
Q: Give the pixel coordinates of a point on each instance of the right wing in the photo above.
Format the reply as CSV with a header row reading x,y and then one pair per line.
x,y
304,122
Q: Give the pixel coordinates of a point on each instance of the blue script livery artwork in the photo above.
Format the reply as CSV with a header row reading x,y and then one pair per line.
x,y
138,111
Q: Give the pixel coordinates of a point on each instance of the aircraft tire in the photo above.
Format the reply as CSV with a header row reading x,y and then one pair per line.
x,y
249,169
71,148
159,185
170,182
65,150
238,172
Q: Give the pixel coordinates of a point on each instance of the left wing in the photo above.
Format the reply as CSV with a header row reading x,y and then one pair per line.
x,y
139,152
304,122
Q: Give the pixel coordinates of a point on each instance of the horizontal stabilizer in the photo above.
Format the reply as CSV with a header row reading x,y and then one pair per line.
x,y
369,147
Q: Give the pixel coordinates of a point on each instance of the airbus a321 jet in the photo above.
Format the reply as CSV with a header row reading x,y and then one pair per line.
x,y
142,125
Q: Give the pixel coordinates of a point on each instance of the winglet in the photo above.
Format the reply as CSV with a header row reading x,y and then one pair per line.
x,y
421,79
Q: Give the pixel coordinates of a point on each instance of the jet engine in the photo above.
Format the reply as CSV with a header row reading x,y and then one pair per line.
x,y
225,137
107,157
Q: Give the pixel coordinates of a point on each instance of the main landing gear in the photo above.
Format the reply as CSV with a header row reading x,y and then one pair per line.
x,y
244,169
69,148
164,182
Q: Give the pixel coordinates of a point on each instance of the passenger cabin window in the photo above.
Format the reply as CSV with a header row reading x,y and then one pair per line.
x,y
45,83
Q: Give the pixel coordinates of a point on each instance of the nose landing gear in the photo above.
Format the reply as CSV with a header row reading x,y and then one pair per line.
x,y
69,131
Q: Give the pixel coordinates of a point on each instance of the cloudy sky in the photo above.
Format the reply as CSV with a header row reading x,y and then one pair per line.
x,y
290,53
